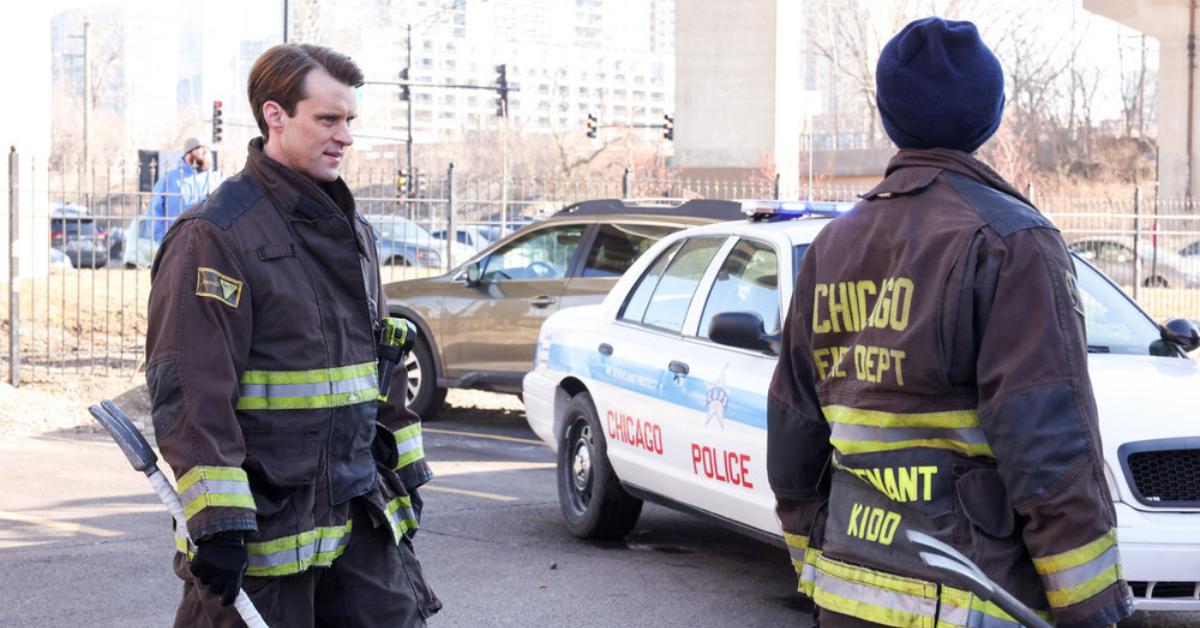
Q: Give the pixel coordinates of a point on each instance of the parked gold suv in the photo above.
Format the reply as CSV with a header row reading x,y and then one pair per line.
x,y
479,322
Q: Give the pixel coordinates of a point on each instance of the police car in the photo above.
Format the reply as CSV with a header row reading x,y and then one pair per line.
x,y
660,393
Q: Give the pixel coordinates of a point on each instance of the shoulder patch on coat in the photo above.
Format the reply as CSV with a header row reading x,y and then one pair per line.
x,y
1004,213
230,201
212,284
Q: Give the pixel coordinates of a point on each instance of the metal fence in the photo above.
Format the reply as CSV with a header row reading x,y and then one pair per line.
x,y
80,242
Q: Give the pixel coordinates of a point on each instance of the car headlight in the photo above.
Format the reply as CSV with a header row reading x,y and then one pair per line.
x,y
1112,484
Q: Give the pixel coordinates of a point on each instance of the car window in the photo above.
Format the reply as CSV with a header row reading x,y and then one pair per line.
x,y
399,228
1191,249
1114,323
748,281
674,287
73,227
543,254
635,306
617,246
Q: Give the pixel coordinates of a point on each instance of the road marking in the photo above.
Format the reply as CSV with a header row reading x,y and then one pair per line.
x,y
443,468
57,525
460,491
511,439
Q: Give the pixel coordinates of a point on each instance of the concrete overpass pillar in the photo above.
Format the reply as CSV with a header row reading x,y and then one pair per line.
x,y
738,86
1167,21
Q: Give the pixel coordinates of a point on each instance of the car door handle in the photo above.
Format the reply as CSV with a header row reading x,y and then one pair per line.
x,y
605,348
678,368
542,301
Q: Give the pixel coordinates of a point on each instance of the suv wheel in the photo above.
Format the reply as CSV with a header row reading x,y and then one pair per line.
x,y
424,396
592,500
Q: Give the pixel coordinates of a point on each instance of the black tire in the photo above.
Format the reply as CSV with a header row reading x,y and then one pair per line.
x,y
593,503
425,397
1155,281
397,260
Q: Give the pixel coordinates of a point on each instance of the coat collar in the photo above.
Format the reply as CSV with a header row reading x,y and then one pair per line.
x,y
296,193
912,170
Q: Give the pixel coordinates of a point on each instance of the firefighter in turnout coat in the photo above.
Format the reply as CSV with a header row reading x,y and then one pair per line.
x,y
262,365
934,377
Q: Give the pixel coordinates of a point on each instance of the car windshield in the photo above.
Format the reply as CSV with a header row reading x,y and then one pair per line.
x,y
1114,323
75,226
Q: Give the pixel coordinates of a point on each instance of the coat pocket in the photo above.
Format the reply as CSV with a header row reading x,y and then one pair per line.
x,y
984,502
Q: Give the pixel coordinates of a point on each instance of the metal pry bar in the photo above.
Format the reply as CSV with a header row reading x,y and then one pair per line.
x,y
947,559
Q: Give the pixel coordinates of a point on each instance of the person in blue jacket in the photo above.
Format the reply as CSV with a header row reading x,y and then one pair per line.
x,y
181,187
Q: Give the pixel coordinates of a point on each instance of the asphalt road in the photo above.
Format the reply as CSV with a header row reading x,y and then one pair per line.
x,y
84,542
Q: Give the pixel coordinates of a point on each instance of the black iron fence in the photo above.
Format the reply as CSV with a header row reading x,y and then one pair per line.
x,y
80,243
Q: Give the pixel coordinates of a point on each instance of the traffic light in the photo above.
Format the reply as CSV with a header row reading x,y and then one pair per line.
x,y
592,126
218,124
668,127
502,90
404,94
401,183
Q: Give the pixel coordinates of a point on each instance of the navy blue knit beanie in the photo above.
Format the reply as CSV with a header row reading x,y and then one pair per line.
x,y
938,86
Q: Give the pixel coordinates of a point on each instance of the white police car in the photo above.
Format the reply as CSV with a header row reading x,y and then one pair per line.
x,y
660,393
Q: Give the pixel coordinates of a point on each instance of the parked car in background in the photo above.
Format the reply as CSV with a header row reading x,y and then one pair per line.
x,y
140,247
402,242
478,236
1159,268
660,393
478,323
74,232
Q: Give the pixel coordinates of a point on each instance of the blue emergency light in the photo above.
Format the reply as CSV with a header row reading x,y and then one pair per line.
x,y
785,210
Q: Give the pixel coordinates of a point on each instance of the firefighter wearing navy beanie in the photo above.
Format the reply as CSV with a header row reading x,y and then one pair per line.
x,y
933,378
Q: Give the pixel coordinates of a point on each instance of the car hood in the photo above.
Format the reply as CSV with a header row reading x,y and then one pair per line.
x,y
1144,397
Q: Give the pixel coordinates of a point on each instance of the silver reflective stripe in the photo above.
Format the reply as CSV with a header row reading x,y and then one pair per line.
x,y
409,444
980,619
876,596
302,555
867,433
225,487
1076,576
809,573
332,543
954,615
315,389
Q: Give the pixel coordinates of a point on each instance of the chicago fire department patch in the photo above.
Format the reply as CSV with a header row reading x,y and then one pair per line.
x,y
214,285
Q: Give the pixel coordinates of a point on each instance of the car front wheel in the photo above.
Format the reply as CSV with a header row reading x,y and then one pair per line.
x,y
423,395
592,500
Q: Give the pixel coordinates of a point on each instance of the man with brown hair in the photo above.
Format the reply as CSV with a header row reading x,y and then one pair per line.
x,y
298,484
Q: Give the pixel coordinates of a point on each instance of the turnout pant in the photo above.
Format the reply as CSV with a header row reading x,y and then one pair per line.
x,y
374,583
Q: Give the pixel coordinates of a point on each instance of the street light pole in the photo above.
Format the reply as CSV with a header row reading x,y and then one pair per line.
x,y
87,97
408,183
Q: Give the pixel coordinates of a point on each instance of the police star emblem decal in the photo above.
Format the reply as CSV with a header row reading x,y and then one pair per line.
x,y
717,399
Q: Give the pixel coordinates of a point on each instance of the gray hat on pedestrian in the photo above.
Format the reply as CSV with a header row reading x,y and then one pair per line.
x,y
191,144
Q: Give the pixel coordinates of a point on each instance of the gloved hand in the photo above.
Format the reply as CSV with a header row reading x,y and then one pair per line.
x,y
384,448
220,563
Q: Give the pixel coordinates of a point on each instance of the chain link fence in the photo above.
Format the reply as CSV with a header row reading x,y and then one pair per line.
x,y
81,241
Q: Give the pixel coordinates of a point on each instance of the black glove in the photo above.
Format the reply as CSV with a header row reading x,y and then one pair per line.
x,y
220,563
384,448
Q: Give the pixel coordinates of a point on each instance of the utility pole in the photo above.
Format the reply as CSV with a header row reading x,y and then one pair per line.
x,y
408,76
285,20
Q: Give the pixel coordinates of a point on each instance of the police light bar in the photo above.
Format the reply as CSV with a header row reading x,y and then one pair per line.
x,y
769,210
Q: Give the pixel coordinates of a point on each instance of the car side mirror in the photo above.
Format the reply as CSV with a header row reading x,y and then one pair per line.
x,y
1183,333
743,330
474,274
